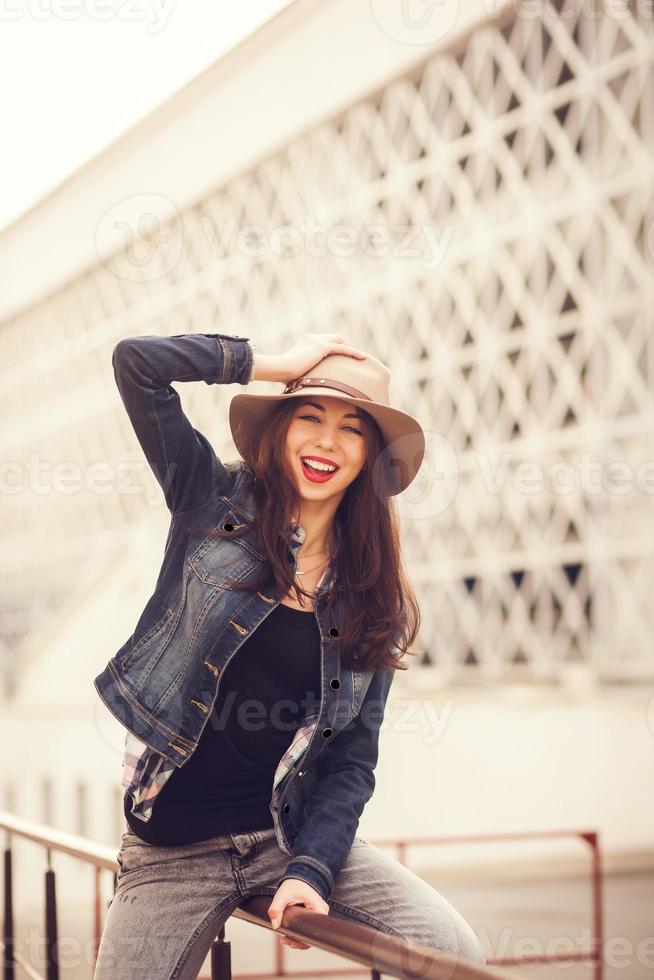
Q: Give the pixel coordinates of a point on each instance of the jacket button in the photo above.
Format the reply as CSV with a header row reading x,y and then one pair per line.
x,y
326,733
286,808
228,527
333,631
335,683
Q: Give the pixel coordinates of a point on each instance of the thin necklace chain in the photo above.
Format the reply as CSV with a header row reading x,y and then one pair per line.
x,y
304,572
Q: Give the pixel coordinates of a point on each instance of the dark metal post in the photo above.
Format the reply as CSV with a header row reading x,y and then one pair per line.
x,y
8,928
52,960
221,958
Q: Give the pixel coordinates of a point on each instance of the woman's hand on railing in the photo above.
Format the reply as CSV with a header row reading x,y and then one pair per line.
x,y
295,891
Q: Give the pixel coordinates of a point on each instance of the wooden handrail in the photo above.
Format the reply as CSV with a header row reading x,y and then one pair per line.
x,y
59,840
362,944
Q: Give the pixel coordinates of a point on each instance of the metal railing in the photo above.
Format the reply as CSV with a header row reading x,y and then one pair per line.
x,y
358,943
101,858
588,837
592,954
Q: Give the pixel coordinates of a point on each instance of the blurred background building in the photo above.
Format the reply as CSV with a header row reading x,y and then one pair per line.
x,y
470,197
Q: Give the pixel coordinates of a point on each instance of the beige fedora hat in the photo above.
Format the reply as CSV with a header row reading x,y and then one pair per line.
x,y
362,382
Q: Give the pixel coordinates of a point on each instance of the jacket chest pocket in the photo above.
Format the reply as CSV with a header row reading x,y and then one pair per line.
x,y
219,561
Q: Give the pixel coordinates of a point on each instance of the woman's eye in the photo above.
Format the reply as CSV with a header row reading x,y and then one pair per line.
x,y
317,420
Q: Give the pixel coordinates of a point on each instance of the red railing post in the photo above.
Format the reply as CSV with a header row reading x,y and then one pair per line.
x,y
592,839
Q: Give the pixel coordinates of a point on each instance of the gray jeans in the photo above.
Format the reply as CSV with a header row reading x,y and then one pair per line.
x,y
171,902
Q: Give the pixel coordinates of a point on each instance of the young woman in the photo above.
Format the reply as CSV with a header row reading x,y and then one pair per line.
x,y
254,685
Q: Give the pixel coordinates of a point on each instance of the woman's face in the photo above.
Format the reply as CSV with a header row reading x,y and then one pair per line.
x,y
332,430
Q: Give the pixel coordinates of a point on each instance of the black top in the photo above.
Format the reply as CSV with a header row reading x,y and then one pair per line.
x,y
265,690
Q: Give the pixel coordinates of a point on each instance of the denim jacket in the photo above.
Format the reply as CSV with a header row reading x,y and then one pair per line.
x,y
163,681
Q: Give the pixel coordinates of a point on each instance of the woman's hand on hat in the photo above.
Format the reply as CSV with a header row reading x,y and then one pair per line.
x,y
308,351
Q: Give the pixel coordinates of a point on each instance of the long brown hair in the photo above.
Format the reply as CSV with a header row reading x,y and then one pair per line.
x,y
379,605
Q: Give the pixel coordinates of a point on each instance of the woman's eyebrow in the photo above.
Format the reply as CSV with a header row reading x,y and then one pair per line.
x,y
321,408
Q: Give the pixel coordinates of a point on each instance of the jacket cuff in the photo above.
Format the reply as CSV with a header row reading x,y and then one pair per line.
x,y
311,871
252,345
239,356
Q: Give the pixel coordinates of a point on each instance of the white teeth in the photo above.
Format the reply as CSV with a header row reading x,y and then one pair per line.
x,y
319,466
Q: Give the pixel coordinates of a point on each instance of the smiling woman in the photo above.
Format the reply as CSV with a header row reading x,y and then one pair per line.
x,y
273,806
338,413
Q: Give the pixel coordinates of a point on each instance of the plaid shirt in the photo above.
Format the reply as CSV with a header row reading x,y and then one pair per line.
x,y
145,772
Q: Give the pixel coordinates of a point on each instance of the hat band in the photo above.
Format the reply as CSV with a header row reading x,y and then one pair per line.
x,y
337,385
